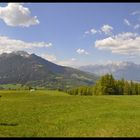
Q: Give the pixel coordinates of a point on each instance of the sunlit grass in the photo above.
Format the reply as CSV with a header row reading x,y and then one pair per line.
x,y
52,113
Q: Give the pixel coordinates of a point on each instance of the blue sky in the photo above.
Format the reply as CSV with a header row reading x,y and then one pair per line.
x,y
75,33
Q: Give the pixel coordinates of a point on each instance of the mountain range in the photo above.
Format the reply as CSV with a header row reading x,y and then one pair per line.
x,y
29,69
123,69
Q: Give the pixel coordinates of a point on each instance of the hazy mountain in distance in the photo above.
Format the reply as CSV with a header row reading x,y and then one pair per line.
x,y
124,69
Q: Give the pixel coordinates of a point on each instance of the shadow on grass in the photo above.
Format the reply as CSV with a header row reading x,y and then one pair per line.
x,y
8,124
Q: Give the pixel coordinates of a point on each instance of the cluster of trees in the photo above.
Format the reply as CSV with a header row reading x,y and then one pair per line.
x,y
107,85
83,90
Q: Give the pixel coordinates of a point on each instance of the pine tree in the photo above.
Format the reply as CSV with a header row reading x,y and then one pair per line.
x,y
126,88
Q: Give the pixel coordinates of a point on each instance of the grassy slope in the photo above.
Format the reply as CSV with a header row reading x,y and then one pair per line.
x,y
11,86
51,113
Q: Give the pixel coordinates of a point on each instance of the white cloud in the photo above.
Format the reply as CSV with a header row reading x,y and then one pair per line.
x,y
81,51
125,43
127,22
91,31
135,13
49,57
107,29
8,45
14,14
137,26
70,62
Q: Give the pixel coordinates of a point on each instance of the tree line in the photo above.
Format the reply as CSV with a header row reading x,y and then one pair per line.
x,y
107,85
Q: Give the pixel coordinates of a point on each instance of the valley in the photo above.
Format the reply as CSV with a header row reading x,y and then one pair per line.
x,y
69,70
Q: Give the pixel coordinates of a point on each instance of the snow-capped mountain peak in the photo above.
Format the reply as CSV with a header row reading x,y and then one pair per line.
x,y
120,69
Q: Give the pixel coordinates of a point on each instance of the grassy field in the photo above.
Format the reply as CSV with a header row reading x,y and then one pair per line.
x,y
56,114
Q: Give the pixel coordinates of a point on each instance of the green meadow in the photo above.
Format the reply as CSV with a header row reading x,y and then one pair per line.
x,y
49,113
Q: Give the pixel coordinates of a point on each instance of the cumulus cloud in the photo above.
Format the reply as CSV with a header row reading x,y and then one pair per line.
x,y
8,45
107,29
82,51
125,43
127,22
14,14
49,57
